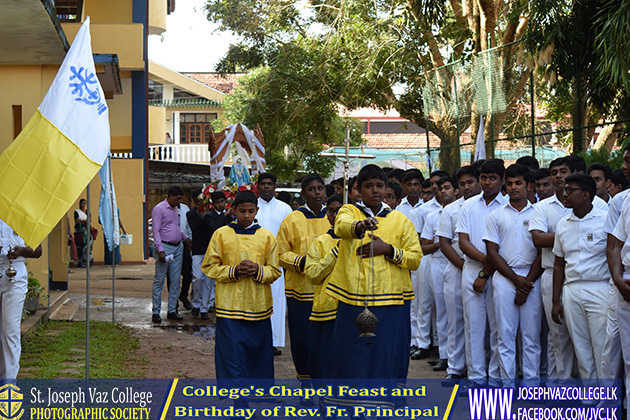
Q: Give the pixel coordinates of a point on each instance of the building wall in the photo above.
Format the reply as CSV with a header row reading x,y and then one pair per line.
x,y
25,86
113,31
157,16
114,38
158,127
108,11
120,116
128,180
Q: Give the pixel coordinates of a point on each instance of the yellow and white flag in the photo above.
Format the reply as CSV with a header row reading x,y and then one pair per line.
x,y
60,150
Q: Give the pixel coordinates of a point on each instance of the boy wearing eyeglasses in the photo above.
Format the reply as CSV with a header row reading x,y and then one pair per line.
x,y
580,275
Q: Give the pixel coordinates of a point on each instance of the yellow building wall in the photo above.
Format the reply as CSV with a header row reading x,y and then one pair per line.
x,y
128,183
101,11
113,38
157,124
25,86
157,16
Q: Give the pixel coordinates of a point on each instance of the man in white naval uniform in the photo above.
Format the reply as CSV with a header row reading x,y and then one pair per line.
x,y
271,213
12,295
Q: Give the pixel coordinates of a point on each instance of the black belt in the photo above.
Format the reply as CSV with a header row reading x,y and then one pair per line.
x,y
171,243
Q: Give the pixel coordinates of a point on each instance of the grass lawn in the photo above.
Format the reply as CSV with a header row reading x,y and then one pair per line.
x,y
57,350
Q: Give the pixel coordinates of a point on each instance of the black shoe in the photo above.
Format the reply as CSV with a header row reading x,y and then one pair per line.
x,y
420,354
195,312
277,351
174,316
211,309
451,379
413,349
432,362
186,303
204,315
156,318
442,364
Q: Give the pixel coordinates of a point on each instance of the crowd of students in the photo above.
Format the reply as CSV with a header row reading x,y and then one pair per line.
x,y
517,272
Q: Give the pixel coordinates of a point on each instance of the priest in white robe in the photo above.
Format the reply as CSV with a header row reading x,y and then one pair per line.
x,y
271,213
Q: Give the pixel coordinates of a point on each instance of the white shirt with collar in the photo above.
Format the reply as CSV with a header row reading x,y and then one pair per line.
x,y
429,231
311,210
405,206
598,203
614,210
183,220
622,232
271,214
448,222
508,228
473,216
582,244
369,211
418,215
547,214
8,238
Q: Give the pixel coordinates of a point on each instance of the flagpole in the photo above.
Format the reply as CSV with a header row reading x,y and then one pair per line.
x,y
87,287
111,199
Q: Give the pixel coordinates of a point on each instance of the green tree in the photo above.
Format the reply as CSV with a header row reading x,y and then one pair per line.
x,y
577,41
359,53
295,123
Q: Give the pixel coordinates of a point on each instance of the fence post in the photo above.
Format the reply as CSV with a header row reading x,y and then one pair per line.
x,y
491,93
533,111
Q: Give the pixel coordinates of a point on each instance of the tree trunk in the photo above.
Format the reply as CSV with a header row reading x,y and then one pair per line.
x,y
579,117
450,158
608,137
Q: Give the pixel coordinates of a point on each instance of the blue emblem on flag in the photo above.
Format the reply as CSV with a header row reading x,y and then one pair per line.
x,y
81,88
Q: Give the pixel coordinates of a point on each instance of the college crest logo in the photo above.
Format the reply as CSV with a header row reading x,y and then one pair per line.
x,y
10,402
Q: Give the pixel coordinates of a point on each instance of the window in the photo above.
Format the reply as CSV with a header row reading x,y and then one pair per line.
x,y
195,128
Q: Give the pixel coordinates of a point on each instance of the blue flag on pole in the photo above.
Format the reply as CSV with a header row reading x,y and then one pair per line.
x,y
107,208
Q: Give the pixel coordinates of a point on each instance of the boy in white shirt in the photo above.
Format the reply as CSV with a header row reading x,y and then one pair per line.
x,y
542,225
517,298
619,260
422,307
468,179
477,272
447,189
580,275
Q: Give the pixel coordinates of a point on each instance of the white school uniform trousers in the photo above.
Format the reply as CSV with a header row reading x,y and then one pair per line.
x,y
560,354
478,307
508,228
422,304
453,292
582,244
203,287
436,281
622,232
405,208
12,295
612,366
270,216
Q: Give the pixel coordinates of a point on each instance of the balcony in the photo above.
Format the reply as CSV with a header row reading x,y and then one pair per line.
x,y
180,153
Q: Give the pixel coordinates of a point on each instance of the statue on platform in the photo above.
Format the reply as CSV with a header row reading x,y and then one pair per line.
x,y
252,144
239,174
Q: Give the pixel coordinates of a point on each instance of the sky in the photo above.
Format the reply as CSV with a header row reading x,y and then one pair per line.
x,y
189,43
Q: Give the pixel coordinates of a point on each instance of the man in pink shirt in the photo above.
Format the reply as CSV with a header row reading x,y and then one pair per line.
x,y
169,243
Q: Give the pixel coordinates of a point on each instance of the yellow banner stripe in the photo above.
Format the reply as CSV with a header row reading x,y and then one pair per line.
x,y
42,173
451,402
167,404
